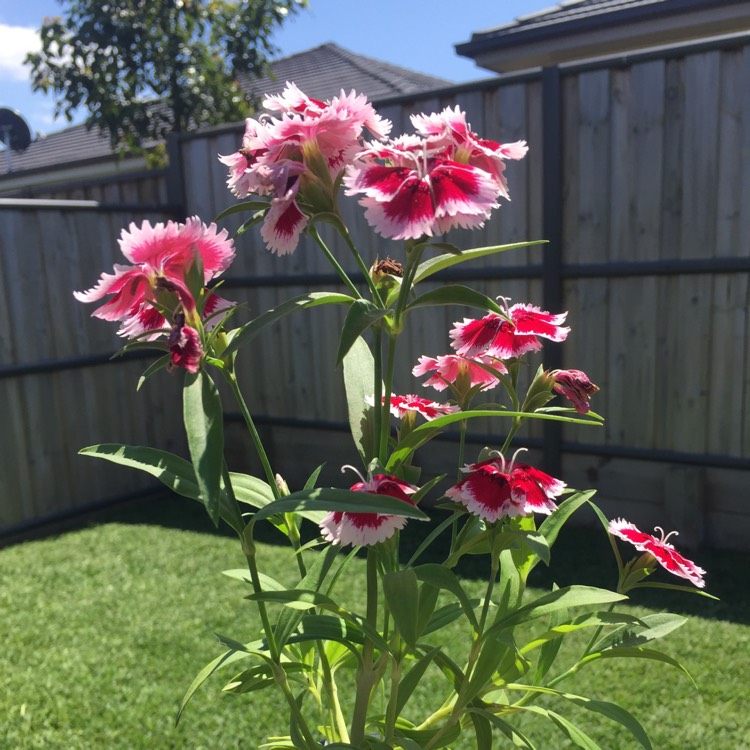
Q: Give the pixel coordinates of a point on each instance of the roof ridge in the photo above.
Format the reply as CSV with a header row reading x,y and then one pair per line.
x,y
355,58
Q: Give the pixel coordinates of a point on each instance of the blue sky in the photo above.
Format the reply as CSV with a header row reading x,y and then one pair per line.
x,y
417,34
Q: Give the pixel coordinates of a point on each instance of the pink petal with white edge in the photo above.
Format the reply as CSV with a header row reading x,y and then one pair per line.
x,y
460,189
530,319
552,487
360,529
473,337
486,493
283,226
663,552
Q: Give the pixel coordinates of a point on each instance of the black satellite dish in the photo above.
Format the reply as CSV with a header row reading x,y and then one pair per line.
x,y
14,133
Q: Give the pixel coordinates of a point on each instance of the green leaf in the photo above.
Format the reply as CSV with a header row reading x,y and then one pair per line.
x,y
331,499
552,525
402,595
174,472
568,597
219,662
596,619
312,480
440,262
359,383
425,432
455,294
442,578
574,733
482,731
248,224
152,369
362,314
242,207
635,653
250,330
313,580
518,739
251,490
294,598
610,710
205,435
648,628
412,678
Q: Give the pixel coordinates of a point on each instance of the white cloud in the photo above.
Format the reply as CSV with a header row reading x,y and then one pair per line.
x,y
15,43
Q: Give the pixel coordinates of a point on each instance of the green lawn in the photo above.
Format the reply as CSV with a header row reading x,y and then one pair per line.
x,y
103,629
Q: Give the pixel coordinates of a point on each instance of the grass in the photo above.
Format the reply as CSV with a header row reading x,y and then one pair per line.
x,y
104,627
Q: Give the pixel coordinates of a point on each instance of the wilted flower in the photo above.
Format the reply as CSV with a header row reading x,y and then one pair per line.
x,y
185,346
496,488
509,335
576,387
363,529
162,256
452,368
663,552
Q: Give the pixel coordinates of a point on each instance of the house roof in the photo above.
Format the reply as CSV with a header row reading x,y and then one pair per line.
x,y
320,72
581,29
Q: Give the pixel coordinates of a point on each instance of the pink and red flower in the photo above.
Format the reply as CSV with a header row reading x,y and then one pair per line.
x,y
663,552
509,335
450,128
405,406
162,256
576,387
297,156
450,368
419,190
363,529
422,185
494,489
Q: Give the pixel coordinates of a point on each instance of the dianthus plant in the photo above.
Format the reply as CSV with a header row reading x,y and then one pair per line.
x,y
348,673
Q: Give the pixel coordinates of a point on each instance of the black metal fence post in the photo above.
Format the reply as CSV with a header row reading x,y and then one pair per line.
x,y
552,290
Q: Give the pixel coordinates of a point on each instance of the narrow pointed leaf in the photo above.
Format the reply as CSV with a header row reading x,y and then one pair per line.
x,y
330,499
242,207
440,262
250,330
362,314
442,578
359,383
648,628
204,427
455,294
412,678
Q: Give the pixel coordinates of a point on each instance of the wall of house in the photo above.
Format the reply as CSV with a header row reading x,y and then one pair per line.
x,y
644,190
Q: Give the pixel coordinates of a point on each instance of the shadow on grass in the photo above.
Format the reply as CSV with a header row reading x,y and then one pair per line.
x,y
581,555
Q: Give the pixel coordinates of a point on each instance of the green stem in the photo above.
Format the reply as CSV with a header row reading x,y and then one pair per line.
x,y
385,427
597,632
249,547
391,710
377,355
344,232
257,442
462,426
367,674
333,695
336,265
283,683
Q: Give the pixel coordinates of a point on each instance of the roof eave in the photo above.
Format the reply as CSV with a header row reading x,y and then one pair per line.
x,y
593,37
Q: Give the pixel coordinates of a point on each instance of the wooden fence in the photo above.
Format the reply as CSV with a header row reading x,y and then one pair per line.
x,y
58,390
638,173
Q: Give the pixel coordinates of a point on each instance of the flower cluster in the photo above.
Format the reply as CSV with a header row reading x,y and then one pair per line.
x,y
153,297
442,177
297,156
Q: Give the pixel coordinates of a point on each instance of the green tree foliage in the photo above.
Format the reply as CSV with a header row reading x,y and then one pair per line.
x,y
144,68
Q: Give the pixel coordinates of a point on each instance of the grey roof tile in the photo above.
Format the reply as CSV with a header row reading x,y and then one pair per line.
x,y
320,72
